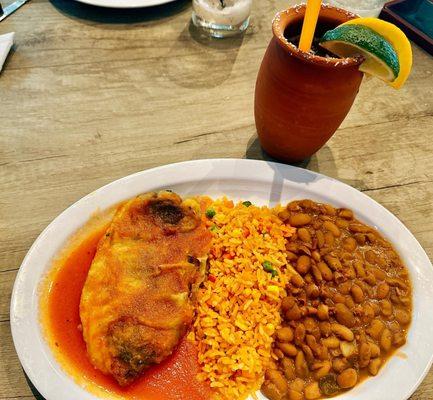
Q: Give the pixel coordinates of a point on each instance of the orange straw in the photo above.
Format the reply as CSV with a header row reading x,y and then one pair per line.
x,y
309,24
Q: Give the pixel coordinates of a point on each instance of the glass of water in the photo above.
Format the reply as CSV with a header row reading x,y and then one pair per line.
x,y
363,8
221,18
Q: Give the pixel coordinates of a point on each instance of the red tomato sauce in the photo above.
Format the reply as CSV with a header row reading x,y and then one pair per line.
x,y
173,379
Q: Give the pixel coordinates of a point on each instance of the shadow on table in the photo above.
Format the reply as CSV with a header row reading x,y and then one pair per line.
x,y
215,43
255,152
322,162
86,12
199,61
35,392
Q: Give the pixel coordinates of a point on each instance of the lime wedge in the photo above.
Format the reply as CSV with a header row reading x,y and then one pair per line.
x,y
398,40
380,58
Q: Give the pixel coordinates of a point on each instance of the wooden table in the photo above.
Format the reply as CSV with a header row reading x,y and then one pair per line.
x,y
90,95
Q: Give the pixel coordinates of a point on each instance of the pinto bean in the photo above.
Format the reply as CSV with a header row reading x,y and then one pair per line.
x,y
397,282
316,273
294,314
325,271
299,333
350,244
402,316
312,291
331,227
288,366
368,313
360,238
312,391
288,349
340,364
297,280
370,256
329,239
364,355
348,349
359,228
285,334
345,213
376,308
321,368
303,264
382,290
375,329
304,235
312,344
399,339
370,279
308,353
344,316
284,215
386,308
294,395
333,262
342,332
349,302
277,378
386,339
301,366
297,385
349,271
311,325
323,312
331,342
299,219
357,293
374,350
378,273
271,391
344,288
359,268
316,255
374,366
320,239
371,237
287,303
325,328
348,378
338,298
278,353
308,204
329,210
342,223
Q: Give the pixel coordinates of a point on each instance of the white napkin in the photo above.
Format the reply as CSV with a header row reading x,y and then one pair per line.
x,y
6,42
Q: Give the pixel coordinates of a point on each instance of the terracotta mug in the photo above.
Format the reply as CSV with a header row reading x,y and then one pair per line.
x,y
300,98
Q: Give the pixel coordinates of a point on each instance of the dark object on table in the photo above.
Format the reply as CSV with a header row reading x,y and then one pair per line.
x,y
11,8
414,17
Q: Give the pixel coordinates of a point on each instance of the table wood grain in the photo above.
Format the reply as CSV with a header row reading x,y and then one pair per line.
x,y
90,95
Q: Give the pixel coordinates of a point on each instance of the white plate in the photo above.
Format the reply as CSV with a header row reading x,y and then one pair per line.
x,y
125,3
262,183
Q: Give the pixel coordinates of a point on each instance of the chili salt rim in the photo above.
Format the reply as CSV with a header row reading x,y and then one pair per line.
x,y
280,23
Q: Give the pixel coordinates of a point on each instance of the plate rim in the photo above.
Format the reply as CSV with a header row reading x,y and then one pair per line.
x,y
190,164
130,4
